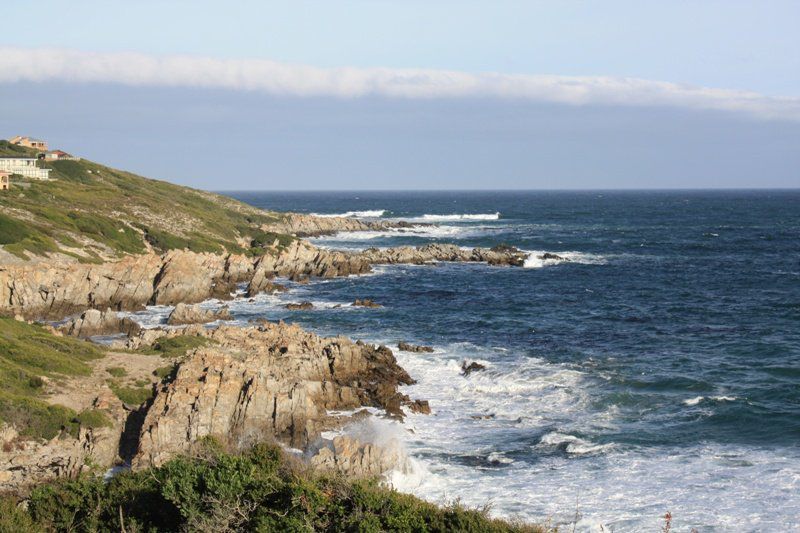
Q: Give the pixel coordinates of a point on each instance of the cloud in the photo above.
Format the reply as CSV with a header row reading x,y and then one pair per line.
x,y
53,64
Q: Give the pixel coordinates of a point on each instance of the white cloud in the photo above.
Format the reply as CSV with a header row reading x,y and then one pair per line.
x,y
41,65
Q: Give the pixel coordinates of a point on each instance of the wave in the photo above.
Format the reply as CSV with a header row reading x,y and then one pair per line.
x,y
463,216
541,258
697,399
376,213
572,444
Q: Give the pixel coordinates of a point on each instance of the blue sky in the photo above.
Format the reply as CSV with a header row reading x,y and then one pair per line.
x,y
413,94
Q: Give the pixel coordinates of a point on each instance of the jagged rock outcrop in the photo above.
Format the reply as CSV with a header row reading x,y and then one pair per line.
x,y
348,456
303,225
95,322
58,290
469,368
407,347
194,314
274,380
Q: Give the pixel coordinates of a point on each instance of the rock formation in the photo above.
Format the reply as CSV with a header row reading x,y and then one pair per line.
x,y
58,290
299,307
348,456
406,347
95,322
194,314
274,380
469,368
366,303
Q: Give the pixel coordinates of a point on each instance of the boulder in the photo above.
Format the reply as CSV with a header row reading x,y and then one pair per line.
x,y
348,456
95,322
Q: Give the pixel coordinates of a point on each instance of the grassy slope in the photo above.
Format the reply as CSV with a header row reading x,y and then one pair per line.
x,y
100,211
28,355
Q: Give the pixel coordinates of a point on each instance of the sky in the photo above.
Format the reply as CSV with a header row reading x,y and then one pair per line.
x,y
413,94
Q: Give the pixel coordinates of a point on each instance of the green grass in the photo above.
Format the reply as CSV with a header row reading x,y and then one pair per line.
x,y
176,347
131,395
122,211
260,490
28,355
117,371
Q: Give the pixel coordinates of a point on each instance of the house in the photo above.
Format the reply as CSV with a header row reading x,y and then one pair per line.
x,y
29,142
59,155
5,180
24,166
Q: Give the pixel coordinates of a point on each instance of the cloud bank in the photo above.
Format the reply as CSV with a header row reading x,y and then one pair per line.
x,y
134,69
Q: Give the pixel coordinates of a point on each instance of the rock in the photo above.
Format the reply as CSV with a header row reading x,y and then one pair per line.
x,y
95,322
468,368
194,314
300,306
553,257
366,303
270,381
406,347
348,456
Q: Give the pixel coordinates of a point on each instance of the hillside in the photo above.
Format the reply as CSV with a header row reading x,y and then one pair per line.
x,y
93,212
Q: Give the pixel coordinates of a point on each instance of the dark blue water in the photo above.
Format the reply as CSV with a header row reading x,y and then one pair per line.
x,y
658,369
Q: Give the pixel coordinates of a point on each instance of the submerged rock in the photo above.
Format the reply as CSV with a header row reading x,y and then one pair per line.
x,y
366,303
406,347
300,306
468,368
194,314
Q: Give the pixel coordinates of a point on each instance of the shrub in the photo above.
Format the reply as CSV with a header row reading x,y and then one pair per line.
x,y
259,490
117,371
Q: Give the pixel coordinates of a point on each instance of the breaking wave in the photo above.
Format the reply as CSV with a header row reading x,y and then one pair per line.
x,y
456,217
541,258
376,213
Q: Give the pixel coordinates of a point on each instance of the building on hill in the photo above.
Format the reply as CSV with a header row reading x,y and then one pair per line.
x,y
24,166
5,180
59,155
29,142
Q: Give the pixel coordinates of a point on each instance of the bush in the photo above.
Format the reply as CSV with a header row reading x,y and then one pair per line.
x,y
131,395
260,490
117,371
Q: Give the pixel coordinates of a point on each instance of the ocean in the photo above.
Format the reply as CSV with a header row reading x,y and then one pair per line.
x,y
656,369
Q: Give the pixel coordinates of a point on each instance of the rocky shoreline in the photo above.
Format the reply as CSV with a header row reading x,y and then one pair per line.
x,y
237,384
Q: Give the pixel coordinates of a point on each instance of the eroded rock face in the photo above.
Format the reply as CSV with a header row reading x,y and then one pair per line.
x,y
95,322
366,302
444,252
274,380
194,314
299,306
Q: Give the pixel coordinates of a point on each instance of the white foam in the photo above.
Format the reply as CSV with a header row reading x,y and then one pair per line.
x,y
536,259
697,399
375,213
572,444
457,217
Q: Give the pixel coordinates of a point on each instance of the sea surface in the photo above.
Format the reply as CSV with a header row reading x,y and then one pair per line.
x,y
655,370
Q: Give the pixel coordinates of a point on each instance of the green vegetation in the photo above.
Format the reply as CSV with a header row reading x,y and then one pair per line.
x,y
131,395
117,371
260,490
176,347
28,356
96,208
92,418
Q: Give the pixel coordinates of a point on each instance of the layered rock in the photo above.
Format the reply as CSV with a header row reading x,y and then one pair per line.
x,y
275,380
309,225
95,322
194,314
55,291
